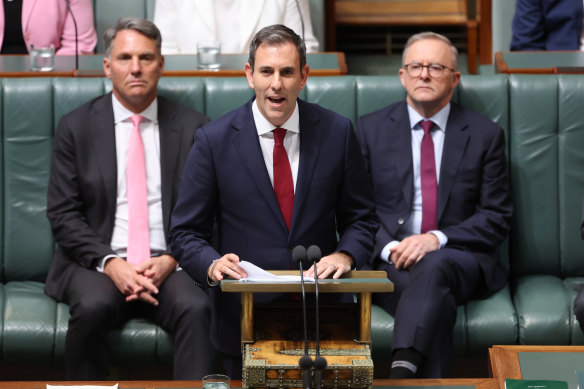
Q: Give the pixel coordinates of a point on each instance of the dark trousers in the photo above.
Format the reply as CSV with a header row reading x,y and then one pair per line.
x,y
424,304
97,306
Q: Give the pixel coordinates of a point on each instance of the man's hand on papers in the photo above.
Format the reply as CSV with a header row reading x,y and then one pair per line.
x,y
227,265
336,264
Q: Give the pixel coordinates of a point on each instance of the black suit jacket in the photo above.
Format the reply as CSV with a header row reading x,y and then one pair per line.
x,y
81,199
474,202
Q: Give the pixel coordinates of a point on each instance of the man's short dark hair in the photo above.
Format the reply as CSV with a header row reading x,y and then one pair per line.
x,y
276,35
143,26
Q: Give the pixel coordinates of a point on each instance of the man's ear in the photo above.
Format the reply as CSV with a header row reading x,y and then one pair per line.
x,y
106,67
249,74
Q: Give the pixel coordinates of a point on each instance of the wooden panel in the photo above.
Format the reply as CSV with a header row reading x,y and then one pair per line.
x,y
504,361
443,12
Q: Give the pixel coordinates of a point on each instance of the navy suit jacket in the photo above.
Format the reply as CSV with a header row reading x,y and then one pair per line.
x,y
81,199
226,179
547,25
474,202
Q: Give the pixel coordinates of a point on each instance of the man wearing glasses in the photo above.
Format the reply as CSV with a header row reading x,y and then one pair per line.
x,y
440,181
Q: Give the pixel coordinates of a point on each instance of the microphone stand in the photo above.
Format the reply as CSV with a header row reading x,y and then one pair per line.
x,y
76,37
320,363
305,362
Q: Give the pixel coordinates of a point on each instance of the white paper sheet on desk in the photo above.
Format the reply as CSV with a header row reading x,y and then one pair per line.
x,y
82,386
257,274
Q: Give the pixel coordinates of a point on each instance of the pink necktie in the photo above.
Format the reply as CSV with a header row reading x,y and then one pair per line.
x,y
283,185
136,190
428,179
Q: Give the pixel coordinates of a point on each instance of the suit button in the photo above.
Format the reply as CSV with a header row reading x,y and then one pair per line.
x,y
400,220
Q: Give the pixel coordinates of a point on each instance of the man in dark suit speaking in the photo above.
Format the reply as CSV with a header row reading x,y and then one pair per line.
x,y
114,180
275,173
440,181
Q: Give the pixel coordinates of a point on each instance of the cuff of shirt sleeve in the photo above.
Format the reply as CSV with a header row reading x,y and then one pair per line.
x,y
101,265
443,239
386,253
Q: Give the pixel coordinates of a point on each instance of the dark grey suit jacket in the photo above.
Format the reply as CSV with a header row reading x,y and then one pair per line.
x,y
81,199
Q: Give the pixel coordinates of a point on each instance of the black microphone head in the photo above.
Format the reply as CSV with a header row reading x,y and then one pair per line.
x,y
319,363
313,253
305,362
299,254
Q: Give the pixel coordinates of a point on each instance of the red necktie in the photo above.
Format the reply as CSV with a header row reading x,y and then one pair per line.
x,y
283,185
136,192
428,179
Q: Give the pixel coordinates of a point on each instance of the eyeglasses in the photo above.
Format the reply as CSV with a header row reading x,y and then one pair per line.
x,y
435,70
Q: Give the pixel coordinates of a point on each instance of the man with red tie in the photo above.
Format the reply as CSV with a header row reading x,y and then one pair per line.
x,y
114,178
440,182
275,173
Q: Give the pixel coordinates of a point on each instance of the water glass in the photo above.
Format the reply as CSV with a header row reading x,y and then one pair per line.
x,y
42,59
216,381
209,55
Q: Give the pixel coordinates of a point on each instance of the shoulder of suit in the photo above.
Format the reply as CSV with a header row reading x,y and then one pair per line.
x,y
387,110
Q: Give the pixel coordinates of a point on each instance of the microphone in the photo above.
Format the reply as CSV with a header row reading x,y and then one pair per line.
x,y
314,255
76,35
305,362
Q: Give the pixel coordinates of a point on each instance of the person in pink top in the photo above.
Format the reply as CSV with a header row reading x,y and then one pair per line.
x,y
42,23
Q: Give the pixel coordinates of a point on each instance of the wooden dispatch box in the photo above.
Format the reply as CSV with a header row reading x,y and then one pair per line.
x,y
272,360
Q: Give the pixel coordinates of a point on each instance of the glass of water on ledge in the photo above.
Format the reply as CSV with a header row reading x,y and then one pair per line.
x,y
42,59
216,381
209,55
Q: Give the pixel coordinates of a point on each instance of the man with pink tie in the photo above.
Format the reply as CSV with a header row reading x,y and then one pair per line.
x,y
114,180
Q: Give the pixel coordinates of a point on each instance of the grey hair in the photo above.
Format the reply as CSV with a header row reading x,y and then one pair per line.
x,y
276,35
431,35
143,26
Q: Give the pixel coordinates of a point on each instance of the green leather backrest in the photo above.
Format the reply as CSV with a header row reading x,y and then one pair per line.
x,y
571,173
547,174
27,113
541,116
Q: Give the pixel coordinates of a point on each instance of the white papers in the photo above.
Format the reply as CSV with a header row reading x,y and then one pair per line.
x,y
257,274
82,386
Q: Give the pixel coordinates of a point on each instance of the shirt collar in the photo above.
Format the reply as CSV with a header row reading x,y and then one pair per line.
x,y
440,119
121,113
263,126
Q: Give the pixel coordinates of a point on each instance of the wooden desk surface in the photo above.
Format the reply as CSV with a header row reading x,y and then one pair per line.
x,y
355,281
478,383
321,64
539,62
505,362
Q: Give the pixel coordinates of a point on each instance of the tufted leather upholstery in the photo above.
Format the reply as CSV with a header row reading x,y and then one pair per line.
x,y
542,119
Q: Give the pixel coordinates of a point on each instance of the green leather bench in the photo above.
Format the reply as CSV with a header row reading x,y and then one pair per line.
x,y
545,128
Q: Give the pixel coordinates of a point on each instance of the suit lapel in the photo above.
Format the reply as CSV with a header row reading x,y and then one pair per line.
x,y
402,140
455,143
169,132
206,15
251,12
245,140
310,141
27,7
102,135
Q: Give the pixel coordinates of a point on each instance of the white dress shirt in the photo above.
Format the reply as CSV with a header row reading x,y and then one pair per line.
x,y
291,140
151,139
413,225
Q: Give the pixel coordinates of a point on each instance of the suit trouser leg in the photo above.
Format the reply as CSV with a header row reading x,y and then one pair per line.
x,y
184,312
96,306
425,302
